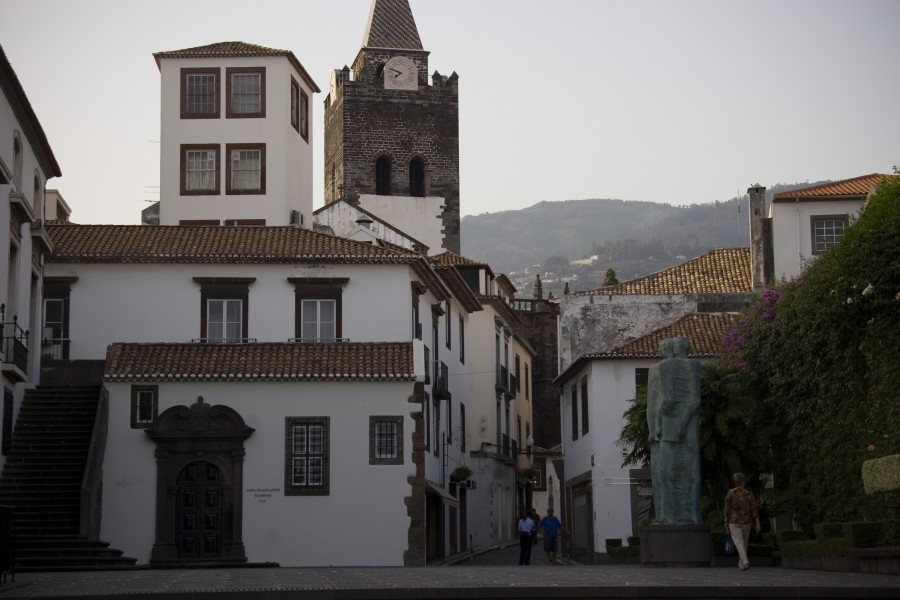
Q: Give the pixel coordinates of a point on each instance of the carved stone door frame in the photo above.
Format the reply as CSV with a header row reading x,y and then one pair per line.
x,y
184,435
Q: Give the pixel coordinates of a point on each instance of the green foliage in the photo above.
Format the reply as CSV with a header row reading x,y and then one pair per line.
x,y
828,530
790,535
865,534
819,356
733,437
828,547
881,474
634,540
610,278
623,551
613,543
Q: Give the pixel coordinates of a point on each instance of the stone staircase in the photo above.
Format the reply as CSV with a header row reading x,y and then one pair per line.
x,y
42,479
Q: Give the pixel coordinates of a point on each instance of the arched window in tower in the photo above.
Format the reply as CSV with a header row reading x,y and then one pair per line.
x,y
383,176
417,178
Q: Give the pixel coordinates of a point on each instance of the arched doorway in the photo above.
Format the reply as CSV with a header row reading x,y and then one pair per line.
x,y
198,511
199,479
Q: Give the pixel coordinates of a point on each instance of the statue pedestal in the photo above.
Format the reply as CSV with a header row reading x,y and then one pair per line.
x,y
685,545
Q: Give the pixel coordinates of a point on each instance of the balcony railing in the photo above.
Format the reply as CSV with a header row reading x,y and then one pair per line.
x,y
427,366
441,385
318,340
502,379
223,341
55,348
15,342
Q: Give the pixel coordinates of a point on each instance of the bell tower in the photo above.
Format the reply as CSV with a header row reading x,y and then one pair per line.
x,y
392,132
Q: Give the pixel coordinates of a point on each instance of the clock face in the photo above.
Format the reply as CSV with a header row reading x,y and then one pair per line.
x,y
400,74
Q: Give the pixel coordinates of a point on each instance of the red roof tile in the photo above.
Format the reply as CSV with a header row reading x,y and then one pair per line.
x,y
705,332
451,258
235,50
725,270
235,245
279,361
858,186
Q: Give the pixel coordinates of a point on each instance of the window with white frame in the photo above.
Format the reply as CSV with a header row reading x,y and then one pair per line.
x,y
199,169
144,405
385,440
246,168
224,320
200,93
318,319
827,231
246,92
306,456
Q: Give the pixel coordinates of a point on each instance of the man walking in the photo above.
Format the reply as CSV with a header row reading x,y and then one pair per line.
x,y
551,526
526,537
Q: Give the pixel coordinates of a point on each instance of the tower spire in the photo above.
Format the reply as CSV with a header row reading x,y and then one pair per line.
x,y
391,25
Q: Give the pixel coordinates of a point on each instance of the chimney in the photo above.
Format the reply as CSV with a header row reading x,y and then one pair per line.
x,y
762,258
538,290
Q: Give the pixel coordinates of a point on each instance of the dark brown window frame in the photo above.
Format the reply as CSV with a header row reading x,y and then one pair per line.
x,y
294,490
229,148
295,105
217,72
184,149
585,418
373,421
229,109
225,288
135,395
318,288
304,115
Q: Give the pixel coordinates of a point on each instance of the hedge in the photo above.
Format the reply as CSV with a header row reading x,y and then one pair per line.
x,y
865,534
836,546
881,474
623,551
828,530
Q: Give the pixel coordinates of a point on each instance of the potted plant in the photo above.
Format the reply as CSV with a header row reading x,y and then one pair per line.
x,y
461,474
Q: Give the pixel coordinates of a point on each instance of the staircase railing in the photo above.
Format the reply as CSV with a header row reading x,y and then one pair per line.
x,y
91,483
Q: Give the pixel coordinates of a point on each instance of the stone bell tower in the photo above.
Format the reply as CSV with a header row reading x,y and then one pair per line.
x,y
392,132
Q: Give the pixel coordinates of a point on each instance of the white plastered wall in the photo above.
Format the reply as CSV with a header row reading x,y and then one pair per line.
x,y
362,521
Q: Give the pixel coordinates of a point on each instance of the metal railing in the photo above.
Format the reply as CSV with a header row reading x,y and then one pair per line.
x,y
223,341
503,379
15,341
297,340
441,383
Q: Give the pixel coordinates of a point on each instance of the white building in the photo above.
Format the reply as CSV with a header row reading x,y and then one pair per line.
x,y
26,163
235,143
286,334
807,221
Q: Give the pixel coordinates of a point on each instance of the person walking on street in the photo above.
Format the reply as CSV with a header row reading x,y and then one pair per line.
x,y
740,514
551,526
526,537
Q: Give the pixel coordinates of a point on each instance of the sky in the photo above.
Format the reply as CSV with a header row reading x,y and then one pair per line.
x,y
679,101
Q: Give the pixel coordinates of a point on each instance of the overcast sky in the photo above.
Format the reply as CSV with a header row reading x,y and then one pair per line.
x,y
681,102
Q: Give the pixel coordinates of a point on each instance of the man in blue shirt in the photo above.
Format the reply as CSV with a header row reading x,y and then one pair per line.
x,y
551,526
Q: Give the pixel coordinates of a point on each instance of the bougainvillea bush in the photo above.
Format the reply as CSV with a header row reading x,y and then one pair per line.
x,y
820,354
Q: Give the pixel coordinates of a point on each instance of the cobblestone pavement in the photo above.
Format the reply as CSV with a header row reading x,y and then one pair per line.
x,y
491,575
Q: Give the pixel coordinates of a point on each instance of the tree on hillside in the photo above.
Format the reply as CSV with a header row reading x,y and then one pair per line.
x,y
820,353
610,278
555,263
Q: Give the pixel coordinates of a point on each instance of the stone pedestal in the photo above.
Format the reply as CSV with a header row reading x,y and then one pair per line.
x,y
676,546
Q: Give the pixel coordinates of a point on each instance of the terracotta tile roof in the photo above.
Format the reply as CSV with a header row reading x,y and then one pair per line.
x,y
721,271
451,258
705,331
858,186
391,25
236,50
234,245
278,361
458,287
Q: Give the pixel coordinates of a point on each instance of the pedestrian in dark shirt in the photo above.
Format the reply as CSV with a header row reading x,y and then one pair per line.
x,y
526,538
740,514
551,526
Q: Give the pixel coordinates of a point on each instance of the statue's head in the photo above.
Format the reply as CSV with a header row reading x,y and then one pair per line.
x,y
682,347
666,350
739,479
